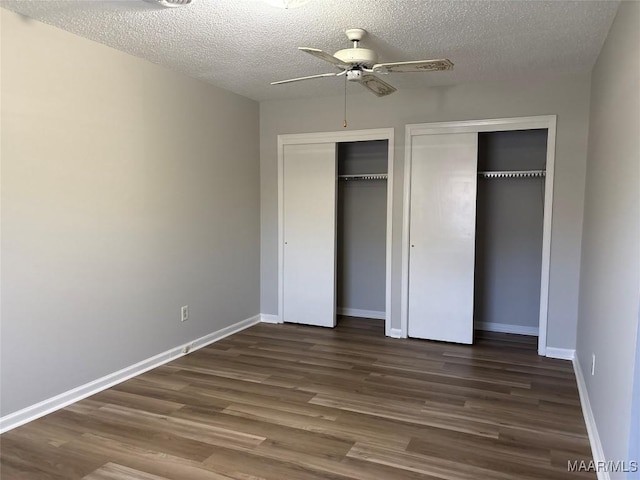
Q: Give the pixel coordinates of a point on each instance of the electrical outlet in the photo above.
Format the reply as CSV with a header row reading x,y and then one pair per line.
x,y
184,313
593,364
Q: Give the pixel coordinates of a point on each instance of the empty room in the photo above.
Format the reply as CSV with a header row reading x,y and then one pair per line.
x,y
315,239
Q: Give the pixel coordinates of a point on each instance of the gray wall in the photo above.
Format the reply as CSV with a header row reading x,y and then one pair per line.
x,y
610,276
509,219
128,190
362,227
567,97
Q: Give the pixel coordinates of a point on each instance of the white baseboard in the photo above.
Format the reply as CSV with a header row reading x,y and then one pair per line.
x,y
355,312
52,404
594,438
561,353
268,318
395,333
506,328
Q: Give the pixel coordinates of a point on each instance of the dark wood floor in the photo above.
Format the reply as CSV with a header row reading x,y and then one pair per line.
x,y
293,402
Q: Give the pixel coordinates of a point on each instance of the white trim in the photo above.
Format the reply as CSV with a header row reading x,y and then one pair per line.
x,y
356,312
389,240
547,122
592,430
268,318
395,333
406,206
52,404
337,137
546,235
489,125
560,353
506,328
281,144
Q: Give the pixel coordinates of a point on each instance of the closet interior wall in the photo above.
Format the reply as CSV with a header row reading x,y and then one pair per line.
x,y
361,230
509,226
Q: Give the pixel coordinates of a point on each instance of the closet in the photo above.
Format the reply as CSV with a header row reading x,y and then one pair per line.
x,y
334,231
509,222
361,228
477,228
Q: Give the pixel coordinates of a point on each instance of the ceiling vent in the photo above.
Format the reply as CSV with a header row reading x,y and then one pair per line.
x,y
171,3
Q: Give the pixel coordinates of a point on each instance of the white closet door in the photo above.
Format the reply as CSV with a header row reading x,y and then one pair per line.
x,y
310,234
442,236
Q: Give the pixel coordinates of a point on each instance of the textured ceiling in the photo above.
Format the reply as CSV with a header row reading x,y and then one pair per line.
x,y
242,45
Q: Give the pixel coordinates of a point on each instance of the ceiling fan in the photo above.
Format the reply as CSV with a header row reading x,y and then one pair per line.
x,y
359,65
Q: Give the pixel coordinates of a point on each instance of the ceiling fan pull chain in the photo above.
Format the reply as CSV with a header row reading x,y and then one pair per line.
x,y
344,124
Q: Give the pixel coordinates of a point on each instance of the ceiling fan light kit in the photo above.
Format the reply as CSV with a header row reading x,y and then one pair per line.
x,y
354,75
360,65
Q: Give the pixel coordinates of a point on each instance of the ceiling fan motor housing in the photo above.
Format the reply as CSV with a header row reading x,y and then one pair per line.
x,y
357,56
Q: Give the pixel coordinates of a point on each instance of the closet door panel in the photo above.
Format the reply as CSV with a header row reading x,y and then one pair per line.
x,y
442,236
309,234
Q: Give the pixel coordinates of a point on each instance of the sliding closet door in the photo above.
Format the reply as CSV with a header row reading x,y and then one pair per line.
x,y
442,236
309,234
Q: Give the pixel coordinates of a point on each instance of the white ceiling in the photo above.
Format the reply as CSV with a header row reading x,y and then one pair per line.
x,y
242,45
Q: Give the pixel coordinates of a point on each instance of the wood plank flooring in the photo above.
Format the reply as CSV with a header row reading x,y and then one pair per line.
x,y
278,402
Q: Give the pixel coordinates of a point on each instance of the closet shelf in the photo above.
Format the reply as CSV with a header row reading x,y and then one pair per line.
x,y
365,176
513,174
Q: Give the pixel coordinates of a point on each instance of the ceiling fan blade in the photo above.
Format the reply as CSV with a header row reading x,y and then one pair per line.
x,y
415,66
305,78
324,56
376,86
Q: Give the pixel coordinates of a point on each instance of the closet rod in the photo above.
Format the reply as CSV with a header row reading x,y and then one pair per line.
x,y
366,176
513,173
